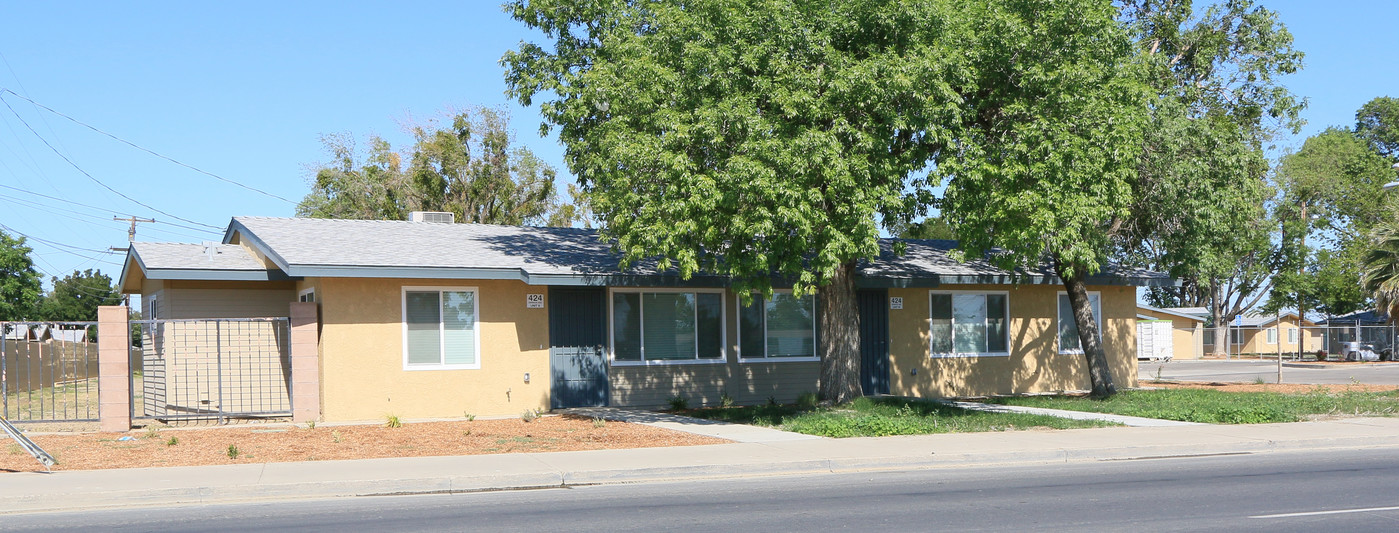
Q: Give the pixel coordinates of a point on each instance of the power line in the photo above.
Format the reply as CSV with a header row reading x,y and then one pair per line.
x,y
90,176
147,150
51,243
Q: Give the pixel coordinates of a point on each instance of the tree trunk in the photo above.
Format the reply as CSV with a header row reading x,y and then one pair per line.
x,y
1099,374
1221,326
839,336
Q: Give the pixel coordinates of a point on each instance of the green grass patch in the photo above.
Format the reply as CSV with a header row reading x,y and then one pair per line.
x,y
1219,407
878,417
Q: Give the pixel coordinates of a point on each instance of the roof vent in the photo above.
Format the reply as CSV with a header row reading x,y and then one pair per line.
x,y
436,217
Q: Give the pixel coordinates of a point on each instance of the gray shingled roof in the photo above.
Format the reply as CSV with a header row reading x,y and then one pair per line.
x,y
304,247
183,256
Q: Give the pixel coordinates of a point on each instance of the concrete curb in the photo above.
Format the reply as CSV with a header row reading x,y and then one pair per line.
x,y
255,488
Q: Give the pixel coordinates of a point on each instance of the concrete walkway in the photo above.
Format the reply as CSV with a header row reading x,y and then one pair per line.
x,y
27,492
1132,421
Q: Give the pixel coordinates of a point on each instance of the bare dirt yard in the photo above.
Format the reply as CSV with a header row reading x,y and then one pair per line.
x,y
267,443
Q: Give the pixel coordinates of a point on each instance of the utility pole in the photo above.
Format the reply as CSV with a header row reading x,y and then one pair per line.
x,y
131,233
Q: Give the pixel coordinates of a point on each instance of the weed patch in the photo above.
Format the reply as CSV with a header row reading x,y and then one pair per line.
x,y
878,417
1220,407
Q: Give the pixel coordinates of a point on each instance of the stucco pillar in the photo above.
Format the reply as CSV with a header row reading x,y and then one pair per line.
x,y
305,362
113,368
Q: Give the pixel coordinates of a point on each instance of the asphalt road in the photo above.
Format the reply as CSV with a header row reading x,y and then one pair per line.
x,y
1272,492
1251,370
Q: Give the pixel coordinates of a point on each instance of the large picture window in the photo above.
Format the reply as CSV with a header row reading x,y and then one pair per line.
x,y
661,327
966,324
439,328
1068,329
781,328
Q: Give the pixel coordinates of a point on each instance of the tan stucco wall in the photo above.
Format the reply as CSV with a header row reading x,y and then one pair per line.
x,y
362,375
1187,334
1034,364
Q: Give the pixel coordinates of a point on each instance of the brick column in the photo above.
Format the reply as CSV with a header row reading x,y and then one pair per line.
x,y
113,368
305,362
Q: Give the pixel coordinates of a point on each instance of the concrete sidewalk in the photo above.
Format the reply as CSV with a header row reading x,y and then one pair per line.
x,y
27,492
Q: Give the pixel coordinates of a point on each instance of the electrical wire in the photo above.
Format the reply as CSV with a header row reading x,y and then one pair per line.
x,y
217,231
146,150
90,176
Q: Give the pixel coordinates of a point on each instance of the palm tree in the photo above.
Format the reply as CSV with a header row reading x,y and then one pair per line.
x,y
1380,272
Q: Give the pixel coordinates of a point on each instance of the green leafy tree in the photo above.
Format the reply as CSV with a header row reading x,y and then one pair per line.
x,y
1380,273
933,227
470,168
1202,194
20,285
77,296
371,186
1332,198
1050,140
1377,123
750,138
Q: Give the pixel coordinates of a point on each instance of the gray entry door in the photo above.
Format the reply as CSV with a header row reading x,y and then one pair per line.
x,y
577,360
874,340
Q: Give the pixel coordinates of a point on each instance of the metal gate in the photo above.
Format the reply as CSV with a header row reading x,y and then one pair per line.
x,y
212,369
48,371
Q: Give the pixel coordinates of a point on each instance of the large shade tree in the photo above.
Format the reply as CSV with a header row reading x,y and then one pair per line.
x,y
1051,140
750,138
1202,197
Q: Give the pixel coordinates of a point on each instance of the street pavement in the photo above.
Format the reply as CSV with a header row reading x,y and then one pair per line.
x,y
1279,492
774,456
1250,370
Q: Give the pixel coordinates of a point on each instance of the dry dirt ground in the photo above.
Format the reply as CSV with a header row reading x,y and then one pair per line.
x,y
280,443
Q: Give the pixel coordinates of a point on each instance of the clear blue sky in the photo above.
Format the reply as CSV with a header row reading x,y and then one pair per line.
x,y
244,91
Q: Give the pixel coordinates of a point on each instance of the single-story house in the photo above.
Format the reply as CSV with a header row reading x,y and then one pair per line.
x,y
1174,334
1259,334
429,319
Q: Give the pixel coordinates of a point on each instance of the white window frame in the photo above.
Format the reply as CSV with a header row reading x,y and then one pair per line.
x,y
151,307
1292,335
960,355
1096,318
1271,336
723,329
301,295
816,346
441,337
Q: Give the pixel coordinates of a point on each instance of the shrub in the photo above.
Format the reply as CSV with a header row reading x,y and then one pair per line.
x,y
725,400
173,441
233,452
679,403
599,423
392,421
530,415
807,400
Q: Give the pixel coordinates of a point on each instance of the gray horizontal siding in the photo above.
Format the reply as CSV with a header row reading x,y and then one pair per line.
x,y
700,384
